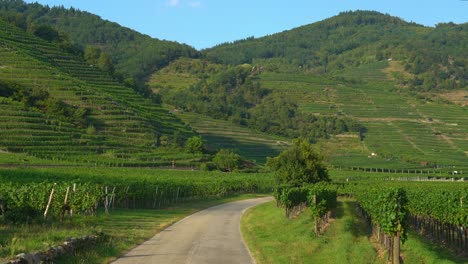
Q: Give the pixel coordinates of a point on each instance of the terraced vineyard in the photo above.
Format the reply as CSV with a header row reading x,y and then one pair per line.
x,y
400,128
124,127
220,134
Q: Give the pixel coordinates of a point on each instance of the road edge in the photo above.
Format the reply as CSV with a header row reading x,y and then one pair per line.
x,y
240,230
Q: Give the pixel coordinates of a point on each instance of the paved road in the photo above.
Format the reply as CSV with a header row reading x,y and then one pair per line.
x,y
209,236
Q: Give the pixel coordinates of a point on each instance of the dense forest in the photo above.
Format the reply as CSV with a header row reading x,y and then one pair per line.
x,y
133,54
234,94
436,57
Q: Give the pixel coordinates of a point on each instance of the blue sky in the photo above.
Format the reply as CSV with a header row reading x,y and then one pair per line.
x,y
205,23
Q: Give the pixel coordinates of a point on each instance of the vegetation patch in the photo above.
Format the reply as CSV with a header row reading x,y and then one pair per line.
x,y
273,238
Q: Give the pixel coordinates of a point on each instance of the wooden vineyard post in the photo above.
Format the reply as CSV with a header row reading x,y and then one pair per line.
x,y
112,199
66,196
389,245
314,201
50,201
396,248
65,207
106,203
74,191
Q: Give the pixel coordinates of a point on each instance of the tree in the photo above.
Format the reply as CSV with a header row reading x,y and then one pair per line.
x,y
47,32
177,139
195,145
92,54
104,63
299,165
227,160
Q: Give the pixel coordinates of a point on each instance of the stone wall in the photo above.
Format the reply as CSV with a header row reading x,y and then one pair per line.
x,y
69,246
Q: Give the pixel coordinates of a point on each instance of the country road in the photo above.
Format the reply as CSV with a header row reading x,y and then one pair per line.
x,y
209,236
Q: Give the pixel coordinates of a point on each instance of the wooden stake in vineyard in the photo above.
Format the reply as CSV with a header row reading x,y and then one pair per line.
x,y
316,223
74,191
396,248
106,203
66,209
112,201
51,196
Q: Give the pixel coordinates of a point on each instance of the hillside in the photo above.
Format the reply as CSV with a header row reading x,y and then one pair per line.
x,y
402,130
220,134
134,54
356,84
56,107
405,83
436,57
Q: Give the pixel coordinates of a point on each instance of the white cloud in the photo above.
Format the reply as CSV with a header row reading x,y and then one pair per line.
x,y
195,4
173,2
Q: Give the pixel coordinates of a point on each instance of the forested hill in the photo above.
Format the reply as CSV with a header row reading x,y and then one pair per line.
x,y
436,57
133,54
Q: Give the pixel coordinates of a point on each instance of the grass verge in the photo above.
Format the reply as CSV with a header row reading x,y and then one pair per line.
x,y
419,250
272,238
126,229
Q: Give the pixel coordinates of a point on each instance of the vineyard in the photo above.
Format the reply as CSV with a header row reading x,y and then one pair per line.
x,y
404,132
115,126
320,198
98,147
434,210
26,194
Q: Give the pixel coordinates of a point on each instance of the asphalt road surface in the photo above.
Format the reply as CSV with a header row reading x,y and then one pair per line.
x,y
209,236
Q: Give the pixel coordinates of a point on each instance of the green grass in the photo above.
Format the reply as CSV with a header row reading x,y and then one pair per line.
x,y
272,238
125,228
419,250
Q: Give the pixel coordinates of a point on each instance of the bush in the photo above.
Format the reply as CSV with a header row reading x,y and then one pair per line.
x,y
227,160
195,145
207,166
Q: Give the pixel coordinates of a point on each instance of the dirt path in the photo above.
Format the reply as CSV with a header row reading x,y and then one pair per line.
x,y
209,236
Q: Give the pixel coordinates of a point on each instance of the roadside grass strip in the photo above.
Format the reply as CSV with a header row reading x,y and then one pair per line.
x,y
273,238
